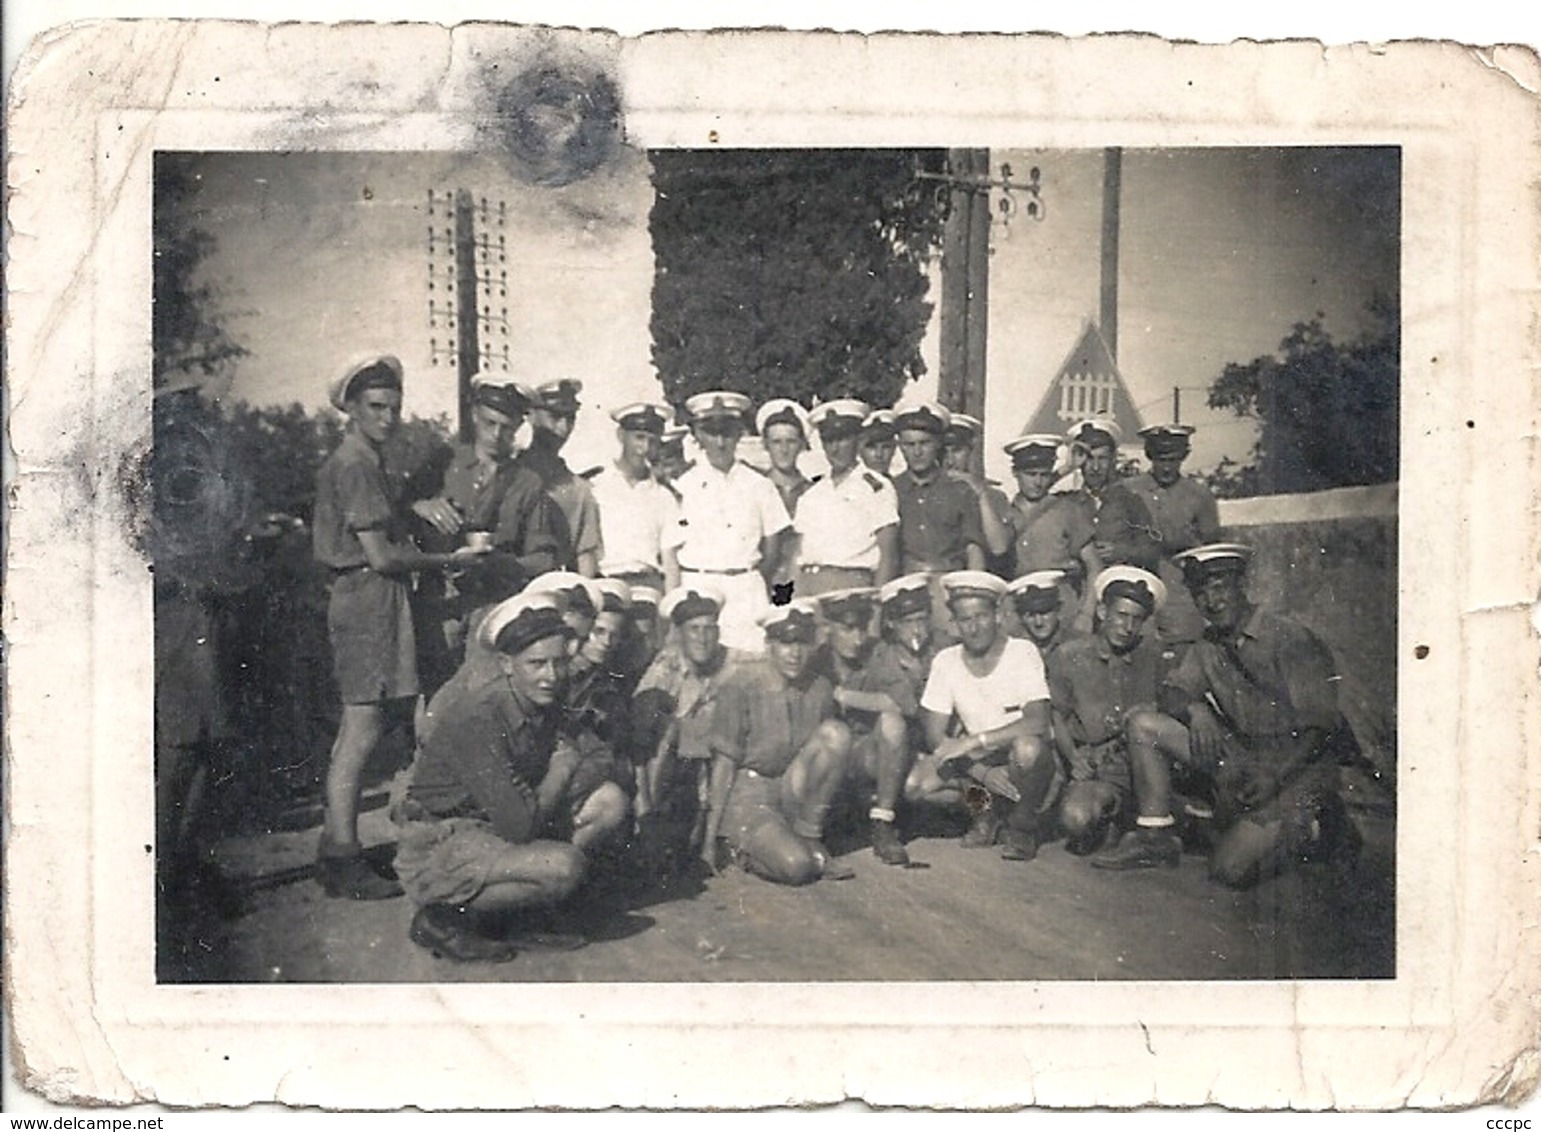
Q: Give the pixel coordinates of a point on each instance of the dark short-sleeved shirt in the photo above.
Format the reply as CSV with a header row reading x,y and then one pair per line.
x,y
880,671
569,491
528,531
353,494
485,758
1122,521
761,720
1274,679
1051,533
688,695
1062,637
937,522
1093,688
1185,514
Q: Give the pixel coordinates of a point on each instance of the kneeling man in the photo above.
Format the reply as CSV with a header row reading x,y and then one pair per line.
x,y
779,755
994,685
1254,705
499,816
1095,684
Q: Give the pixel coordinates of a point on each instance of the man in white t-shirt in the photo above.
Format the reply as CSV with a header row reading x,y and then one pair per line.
x,y
1001,765
639,512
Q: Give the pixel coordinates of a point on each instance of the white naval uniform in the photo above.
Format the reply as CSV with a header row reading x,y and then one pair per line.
x,y
723,518
641,520
839,522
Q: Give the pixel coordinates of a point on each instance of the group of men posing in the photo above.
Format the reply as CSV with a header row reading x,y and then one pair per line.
x,y
760,648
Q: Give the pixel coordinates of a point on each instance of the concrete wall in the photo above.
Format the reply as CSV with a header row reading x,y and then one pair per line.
x,y
1329,559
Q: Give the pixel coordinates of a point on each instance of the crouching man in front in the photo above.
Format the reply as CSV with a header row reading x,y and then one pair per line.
x,y
1254,706
778,756
996,689
501,810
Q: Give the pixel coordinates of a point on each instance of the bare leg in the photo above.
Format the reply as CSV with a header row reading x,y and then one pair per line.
x,y
362,725
1085,811
537,875
602,813
892,761
1154,741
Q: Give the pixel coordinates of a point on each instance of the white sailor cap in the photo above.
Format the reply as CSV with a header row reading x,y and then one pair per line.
x,y
501,394
1096,432
718,403
1036,451
574,591
795,622
377,371
1213,558
1133,583
926,416
972,583
841,417
645,597
780,410
857,602
560,396
963,427
642,416
1167,439
906,595
615,595
514,625
878,425
684,603
1037,592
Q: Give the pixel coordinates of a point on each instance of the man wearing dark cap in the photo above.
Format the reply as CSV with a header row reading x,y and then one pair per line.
x,y
553,415
1253,705
473,491
499,820
1186,515
1095,683
1036,599
877,442
639,513
1124,533
939,515
905,604
779,755
1049,531
360,534
848,521
878,701
994,686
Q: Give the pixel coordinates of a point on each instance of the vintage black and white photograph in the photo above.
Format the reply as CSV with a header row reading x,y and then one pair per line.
x,y
555,570
575,563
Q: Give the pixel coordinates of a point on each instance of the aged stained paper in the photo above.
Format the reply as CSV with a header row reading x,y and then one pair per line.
x,y
1457,1023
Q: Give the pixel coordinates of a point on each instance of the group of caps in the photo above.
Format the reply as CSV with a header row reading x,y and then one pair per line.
x,y
725,409
537,612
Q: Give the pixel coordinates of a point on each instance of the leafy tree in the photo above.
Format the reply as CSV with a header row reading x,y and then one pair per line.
x,y
188,332
792,273
1328,410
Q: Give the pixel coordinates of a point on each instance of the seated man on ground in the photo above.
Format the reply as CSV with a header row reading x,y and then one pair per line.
x,y
994,686
1095,683
877,699
779,755
1254,705
499,820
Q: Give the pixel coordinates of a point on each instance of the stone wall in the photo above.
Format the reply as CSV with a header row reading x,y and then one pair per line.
x,y
1329,559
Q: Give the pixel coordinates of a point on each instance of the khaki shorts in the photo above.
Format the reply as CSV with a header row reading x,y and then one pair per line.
x,y
374,648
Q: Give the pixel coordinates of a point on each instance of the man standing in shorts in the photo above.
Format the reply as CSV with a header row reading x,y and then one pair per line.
x,y
994,686
779,756
359,533
501,816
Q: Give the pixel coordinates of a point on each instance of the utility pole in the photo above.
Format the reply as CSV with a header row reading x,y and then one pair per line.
x,y
965,284
1112,177
1177,404
474,271
467,347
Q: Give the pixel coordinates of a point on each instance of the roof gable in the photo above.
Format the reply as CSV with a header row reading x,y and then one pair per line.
x,y
1087,384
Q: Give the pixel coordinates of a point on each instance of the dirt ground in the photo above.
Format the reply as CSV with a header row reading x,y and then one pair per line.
x,y
969,915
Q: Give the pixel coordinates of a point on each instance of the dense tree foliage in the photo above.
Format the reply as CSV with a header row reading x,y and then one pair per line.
x,y
1328,410
792,273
